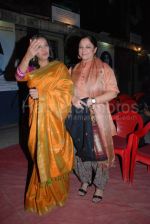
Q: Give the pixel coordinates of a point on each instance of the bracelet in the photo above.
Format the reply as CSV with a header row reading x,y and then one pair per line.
x,y
20,74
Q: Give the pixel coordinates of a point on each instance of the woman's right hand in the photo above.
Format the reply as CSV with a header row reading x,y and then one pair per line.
x,y
33,48
34,93
78,103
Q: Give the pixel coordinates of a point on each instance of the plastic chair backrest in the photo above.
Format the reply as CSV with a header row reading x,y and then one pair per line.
x,y
142,132
129,105
123,97
140,152
127,122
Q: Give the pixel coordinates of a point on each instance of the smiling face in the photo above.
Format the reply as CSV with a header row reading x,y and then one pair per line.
x,y
87,49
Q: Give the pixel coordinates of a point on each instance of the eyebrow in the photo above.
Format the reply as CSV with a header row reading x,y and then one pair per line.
x,y
86,46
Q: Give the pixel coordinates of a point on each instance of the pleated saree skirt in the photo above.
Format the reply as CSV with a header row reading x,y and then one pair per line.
x,y
41,198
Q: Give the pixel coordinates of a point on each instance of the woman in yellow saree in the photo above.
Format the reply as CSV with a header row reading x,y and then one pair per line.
x,y
49,143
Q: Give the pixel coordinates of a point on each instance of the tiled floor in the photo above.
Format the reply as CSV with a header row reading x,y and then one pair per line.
x,y
9,135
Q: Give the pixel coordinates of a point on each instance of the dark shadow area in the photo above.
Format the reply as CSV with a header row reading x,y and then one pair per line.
x,y
71,50
106,57
23,93
1,58
124,68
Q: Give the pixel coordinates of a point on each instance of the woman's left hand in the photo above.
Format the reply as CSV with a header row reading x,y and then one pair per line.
x,y
33,93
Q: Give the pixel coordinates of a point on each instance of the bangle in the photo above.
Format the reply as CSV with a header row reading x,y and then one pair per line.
x,y
93,100
20,74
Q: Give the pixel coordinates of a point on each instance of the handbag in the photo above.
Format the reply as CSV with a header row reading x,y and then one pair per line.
x,y
82,127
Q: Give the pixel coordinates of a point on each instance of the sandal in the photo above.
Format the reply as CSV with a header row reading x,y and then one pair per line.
x,y
83,190
98,196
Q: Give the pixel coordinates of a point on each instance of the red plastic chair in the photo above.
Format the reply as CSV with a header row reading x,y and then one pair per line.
x,y
140,154
122,97
128,105
137,96
126,123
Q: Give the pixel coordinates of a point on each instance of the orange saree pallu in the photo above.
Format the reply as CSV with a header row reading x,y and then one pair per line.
x,y
50,145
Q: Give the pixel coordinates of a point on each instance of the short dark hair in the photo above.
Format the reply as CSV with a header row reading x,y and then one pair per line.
x,y
91,38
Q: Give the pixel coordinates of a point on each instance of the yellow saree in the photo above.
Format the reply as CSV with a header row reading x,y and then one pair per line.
x,y
50,145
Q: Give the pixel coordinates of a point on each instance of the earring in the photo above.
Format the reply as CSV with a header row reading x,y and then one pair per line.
x,y
34,59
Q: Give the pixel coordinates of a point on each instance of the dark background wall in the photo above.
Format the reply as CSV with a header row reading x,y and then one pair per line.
x,y
9,108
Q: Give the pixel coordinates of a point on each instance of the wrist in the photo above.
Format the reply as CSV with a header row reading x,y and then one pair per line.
x,y
19,73
27,58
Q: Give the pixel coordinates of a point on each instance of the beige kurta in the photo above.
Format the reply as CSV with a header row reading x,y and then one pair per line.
x,y
92,79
